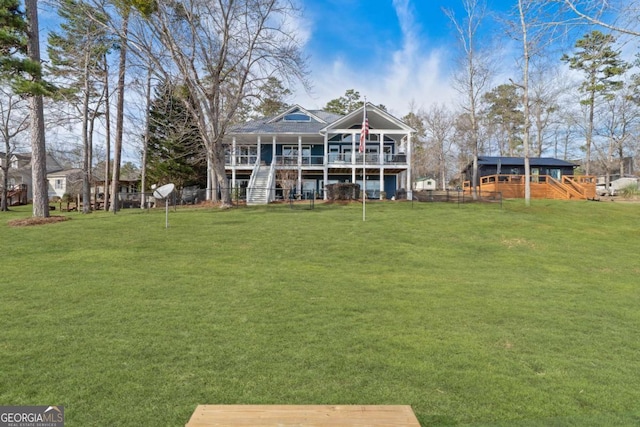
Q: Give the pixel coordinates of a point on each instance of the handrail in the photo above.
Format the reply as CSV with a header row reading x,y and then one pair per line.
x,y
567,186
270,184
252,179
573,184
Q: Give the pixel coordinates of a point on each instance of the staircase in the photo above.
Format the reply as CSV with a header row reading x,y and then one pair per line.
x,y
567,189
259,191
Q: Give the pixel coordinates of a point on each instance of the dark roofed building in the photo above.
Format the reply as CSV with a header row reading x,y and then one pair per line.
x,y
488,165
550,178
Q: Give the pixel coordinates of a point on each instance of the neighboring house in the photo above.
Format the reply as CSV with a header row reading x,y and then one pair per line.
x,y
488,165
63,182
20,171
129,183
314,148
550,178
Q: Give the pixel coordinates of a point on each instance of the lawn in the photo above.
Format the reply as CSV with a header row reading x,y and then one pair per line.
x,y
472,314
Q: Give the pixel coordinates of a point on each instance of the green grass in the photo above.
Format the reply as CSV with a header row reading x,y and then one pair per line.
x,y
471,314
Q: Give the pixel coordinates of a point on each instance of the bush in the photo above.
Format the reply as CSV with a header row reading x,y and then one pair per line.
x,y
343,191
629,191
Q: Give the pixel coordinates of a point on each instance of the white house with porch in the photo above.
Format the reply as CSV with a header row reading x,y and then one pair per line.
x,y
314,148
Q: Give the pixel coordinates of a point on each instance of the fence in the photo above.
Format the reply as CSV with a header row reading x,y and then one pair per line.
x,y
457,196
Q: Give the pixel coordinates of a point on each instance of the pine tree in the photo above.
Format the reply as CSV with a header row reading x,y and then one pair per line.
x,y
175,151
20,66
600,65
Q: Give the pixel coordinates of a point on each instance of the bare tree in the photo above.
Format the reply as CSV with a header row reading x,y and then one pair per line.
x,y
224,52
615,15
287,178
15,120
545,90
474,73
439,124
536,29
621,118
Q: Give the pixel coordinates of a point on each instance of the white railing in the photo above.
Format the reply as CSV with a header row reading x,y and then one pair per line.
x,y
271,182
252,179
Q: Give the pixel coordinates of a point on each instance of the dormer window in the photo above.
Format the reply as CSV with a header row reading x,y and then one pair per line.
x,y
297,117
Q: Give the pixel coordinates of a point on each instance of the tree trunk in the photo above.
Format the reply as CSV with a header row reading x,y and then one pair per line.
x,y
117,151
36,104
86,155
145,142
217,160
525,101
5,178
107,124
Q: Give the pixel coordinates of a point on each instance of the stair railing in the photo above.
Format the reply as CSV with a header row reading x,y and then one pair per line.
x,y
271,190
252,180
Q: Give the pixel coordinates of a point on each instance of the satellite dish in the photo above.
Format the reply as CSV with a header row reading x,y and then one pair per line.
x,y
164,191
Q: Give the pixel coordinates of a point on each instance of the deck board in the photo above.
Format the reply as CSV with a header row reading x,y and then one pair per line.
x,y
303,415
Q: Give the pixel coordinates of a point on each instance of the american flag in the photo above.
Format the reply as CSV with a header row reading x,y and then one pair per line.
x,y
364,132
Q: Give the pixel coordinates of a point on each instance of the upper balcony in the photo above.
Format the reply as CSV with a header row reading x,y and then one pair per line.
x,y
333,160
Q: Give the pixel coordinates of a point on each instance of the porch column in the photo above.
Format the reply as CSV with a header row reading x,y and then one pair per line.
x,y
259,143
409,155
381,161
325,171
273,147
299,164
233,162
353,157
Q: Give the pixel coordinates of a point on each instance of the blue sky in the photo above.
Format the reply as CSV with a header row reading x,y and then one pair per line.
x,y
392,51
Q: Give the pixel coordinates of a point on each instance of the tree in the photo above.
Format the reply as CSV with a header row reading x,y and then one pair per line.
x,y
76,57
473,75
600,65
345,104
15,120
271,98
595,12
536,30
20,65
174,151
352,100
439,129
419,154
35,89
504,111
224,52
622,117
545,91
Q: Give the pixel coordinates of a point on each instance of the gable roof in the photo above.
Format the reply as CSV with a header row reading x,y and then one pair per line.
x,y
279,124
378,119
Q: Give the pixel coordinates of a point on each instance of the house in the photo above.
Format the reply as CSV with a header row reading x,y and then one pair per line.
x,y
304,150
550,178
20,173
63,182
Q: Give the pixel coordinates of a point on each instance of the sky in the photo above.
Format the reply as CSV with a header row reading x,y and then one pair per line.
x,y
395,52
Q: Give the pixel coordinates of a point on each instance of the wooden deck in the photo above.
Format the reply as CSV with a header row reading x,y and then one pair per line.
x,y
542,186
303,415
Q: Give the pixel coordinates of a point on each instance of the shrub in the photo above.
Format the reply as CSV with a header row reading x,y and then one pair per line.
x,y
629,191
343,191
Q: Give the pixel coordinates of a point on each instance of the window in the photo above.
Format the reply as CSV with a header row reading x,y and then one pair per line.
x,y
59,184
297,117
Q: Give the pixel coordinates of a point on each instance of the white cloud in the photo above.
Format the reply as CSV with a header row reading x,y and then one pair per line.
x,y
412,73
